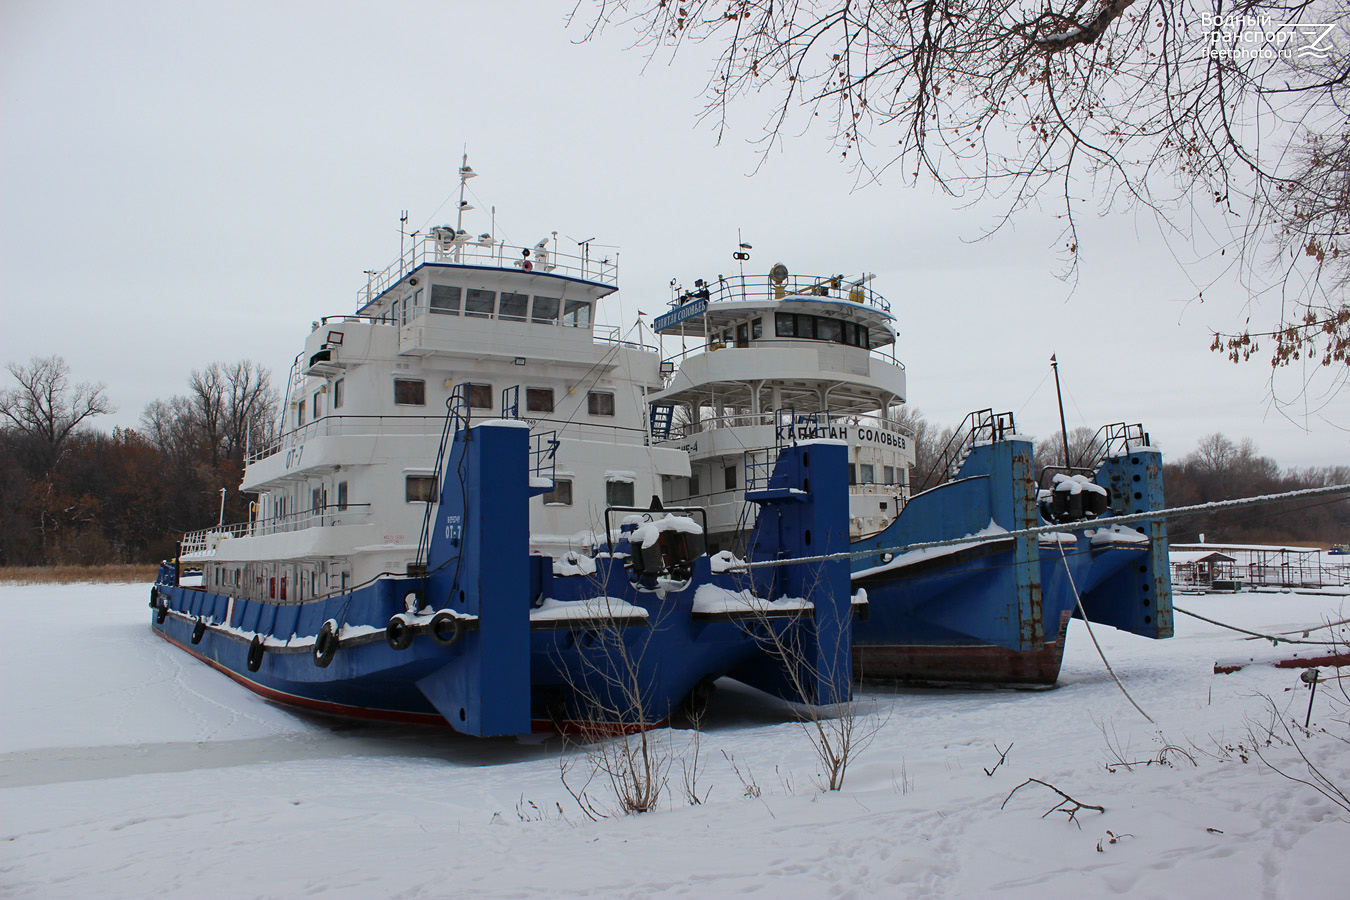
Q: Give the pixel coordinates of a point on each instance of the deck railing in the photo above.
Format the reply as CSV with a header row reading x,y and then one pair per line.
x,y
737,288
804,425
207,539
467,250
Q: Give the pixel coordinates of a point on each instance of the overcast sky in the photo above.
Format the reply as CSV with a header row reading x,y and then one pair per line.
x,y
188,182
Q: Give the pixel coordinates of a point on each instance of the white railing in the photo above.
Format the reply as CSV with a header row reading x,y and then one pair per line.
x,y
885,356
467,250
821,422
350,425
761,288
209,539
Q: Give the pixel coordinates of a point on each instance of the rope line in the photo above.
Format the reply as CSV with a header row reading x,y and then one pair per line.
x,y
1082,612
1128,518
1273,638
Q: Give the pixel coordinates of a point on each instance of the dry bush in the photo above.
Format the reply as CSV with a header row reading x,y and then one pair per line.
x,y
98,574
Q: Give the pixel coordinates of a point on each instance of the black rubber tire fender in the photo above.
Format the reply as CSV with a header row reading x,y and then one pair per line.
x,y
198,630
154,596
255,653
446,628
161,613
399,633
325,645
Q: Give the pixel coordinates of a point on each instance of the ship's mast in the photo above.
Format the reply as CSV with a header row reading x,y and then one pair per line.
x,y
465,173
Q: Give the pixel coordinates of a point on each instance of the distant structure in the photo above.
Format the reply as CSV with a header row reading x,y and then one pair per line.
x,y
1231,567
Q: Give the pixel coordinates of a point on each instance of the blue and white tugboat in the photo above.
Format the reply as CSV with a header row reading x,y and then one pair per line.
x,y
765,362
460,521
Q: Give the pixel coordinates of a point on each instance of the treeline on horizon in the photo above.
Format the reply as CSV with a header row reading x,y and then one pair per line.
x,y
77,495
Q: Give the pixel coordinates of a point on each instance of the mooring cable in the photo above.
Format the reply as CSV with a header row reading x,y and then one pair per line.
x,y
1273,638
1082,612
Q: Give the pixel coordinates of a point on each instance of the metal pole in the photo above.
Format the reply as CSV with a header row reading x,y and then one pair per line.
x,y
1310,677
1063,429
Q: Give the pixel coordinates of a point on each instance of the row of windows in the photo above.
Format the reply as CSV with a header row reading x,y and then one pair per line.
x,y
865,473
617,493
413,392
480,303
860,473
315,408
820,328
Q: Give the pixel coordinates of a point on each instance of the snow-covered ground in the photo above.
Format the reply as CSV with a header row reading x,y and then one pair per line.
x,y
127,769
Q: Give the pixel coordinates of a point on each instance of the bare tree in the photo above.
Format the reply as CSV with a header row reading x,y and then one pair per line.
x,y
232,404
1173,106
45,409
228,406
1084,449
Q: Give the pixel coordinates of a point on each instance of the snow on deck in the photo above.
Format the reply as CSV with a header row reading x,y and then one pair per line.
x,y
592,608
128,769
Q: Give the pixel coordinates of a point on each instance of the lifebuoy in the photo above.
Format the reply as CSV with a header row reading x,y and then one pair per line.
x,y
198,630
255,653
326,644
399,633
446,628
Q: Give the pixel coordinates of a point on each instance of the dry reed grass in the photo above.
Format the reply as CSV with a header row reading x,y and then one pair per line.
x,y
106,574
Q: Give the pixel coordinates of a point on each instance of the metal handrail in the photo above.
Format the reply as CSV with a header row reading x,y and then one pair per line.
x,y
467,251
980,425
737,288
325,516
345,425
681,431
887,357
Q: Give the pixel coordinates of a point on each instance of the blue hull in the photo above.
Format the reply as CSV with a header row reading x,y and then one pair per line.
x,y
483,652
996,611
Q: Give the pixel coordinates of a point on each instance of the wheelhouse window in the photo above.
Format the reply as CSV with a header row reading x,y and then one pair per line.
x,y
513,306
561,495
480,396
756,329
300,414
821,328
410,392
315,408
419,488
577,314
546,310
479,303
445,299
337,392
888,474
729,477
865,473
539,400
619,493
600,403
342,496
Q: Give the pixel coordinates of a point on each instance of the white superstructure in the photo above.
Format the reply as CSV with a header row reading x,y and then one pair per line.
x,y
342,494
766,360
